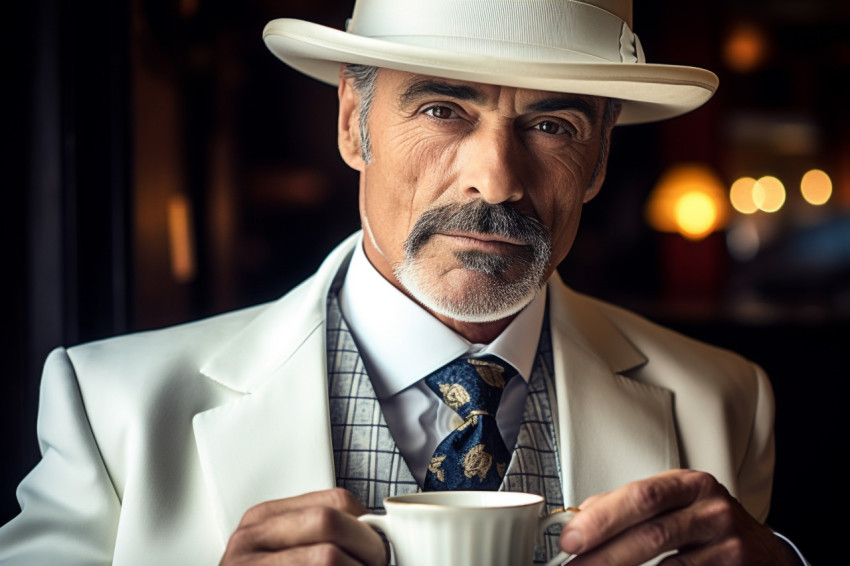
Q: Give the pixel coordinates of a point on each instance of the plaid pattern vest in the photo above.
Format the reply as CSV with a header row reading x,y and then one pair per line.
x,y
368,462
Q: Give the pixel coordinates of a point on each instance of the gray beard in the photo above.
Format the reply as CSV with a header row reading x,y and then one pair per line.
x,y
510,283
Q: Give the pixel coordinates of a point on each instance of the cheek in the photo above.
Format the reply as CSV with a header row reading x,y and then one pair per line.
x,y
422,154
564,228
424,166
560,197
408,174
563,238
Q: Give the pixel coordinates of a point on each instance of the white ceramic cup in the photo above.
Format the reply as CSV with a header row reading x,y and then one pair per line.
x,y
466,528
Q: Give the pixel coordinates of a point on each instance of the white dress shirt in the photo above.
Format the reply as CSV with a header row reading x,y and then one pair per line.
x,y
400,343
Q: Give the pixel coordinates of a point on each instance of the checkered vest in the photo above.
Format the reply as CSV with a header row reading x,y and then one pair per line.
x,y
368,462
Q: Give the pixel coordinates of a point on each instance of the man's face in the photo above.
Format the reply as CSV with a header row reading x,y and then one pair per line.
x,y
473,192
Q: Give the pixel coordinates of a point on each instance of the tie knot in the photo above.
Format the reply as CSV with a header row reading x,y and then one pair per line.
x,y
472,386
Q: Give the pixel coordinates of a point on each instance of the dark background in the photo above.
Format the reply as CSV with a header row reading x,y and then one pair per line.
x,y
118,112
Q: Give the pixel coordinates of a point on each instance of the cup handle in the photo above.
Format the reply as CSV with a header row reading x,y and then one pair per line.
x,y
382,522
559,517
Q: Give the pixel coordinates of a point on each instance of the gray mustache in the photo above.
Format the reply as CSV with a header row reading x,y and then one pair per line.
x,y
481,217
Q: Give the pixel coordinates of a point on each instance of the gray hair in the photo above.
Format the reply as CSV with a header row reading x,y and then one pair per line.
x,y
364,77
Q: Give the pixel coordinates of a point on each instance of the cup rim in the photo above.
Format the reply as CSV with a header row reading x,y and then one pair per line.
x,y
511,499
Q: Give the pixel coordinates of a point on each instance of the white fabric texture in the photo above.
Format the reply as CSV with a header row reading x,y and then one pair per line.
x,y
544,30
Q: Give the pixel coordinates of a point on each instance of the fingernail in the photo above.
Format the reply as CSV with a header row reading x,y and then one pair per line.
x,y
572,541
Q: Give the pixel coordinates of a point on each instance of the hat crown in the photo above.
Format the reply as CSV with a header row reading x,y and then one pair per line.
x,y
620,8
541,30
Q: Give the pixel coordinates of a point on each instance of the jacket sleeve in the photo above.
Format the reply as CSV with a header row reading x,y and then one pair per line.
x,y
756,473
69,508
755,476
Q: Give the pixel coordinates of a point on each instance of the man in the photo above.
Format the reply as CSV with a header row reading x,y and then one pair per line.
x,y
479,130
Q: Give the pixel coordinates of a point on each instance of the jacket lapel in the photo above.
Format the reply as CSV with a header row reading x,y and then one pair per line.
x,y
273,440
612,429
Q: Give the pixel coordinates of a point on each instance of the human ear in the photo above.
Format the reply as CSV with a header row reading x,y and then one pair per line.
x,y
348,125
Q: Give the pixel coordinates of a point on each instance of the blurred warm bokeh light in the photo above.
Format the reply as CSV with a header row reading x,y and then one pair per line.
x,y
816,187
689,199
180,241
745,48
696,214
741,195
769,193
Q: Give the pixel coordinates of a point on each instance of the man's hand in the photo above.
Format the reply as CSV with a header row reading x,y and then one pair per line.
x,y
314,528
677,510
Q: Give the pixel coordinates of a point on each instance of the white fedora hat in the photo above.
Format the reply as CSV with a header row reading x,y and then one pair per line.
x,y
576,46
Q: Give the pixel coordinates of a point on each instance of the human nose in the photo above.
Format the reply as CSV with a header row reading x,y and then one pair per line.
x,y
491,167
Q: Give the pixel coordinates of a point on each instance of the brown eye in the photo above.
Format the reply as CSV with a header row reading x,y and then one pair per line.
x,y
440,112
550,127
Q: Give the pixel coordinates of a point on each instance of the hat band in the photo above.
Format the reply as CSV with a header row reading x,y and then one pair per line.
x,y
545,30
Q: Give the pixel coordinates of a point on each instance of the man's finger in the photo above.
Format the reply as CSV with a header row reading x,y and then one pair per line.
x,y
314,528
321,522
319,526
646,540
336,498
314,554
606,516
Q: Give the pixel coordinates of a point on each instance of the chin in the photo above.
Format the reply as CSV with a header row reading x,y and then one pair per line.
x,y
467,295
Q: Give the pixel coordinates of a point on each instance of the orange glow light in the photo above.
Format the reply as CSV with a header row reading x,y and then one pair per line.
x,y
745,48
769,194
816,187
689,199
741,195
696,215
180,240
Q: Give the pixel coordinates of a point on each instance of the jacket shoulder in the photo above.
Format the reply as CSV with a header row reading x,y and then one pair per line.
x,y
671,352
188,342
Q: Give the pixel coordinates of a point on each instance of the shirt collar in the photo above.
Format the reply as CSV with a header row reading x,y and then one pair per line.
x,y
400,342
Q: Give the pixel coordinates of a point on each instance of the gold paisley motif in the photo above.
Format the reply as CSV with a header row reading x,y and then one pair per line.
x,y
436,467
471,420
501,468
490,373
477,462
455,395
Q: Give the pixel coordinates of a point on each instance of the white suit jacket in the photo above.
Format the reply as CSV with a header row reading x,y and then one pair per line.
x,y
155,444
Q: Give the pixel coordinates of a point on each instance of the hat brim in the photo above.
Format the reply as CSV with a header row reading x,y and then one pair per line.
x,y
649,92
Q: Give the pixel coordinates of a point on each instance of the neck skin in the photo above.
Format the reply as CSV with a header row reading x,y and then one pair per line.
x,y
475,332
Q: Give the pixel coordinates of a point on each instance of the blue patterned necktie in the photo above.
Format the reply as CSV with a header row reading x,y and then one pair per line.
x,y
474,455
